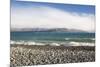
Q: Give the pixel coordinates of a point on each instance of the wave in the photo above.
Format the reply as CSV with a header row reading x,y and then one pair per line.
x,y
79,38
81,44
72,43
25,43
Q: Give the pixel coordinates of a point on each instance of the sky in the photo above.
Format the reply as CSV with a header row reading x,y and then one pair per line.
x,y
52,15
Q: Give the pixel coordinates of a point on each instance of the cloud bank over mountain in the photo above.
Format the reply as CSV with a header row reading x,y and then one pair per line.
x,y
48,17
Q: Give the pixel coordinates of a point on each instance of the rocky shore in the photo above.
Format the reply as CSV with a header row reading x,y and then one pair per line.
x,y
26,55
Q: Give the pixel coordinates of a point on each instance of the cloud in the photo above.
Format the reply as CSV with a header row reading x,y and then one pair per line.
x,y
48,17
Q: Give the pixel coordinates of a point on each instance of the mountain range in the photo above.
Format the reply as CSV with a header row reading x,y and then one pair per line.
x,y
46,30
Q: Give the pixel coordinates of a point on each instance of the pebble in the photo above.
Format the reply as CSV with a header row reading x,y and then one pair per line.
x,y
21,56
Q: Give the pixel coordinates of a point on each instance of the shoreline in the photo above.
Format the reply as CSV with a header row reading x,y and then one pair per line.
x,y
53,43
26,55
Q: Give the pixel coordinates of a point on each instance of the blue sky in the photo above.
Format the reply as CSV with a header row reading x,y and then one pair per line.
x,y
52,15
65,7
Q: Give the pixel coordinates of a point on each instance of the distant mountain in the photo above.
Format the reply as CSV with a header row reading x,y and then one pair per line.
x,y
46,29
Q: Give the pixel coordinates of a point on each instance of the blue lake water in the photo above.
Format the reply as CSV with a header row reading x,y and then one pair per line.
x,y
52,36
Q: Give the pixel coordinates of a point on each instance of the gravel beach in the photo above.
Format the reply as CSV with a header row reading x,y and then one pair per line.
x,y
27,55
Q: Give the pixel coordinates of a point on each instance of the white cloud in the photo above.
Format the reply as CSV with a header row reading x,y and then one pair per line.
x,y
47,17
